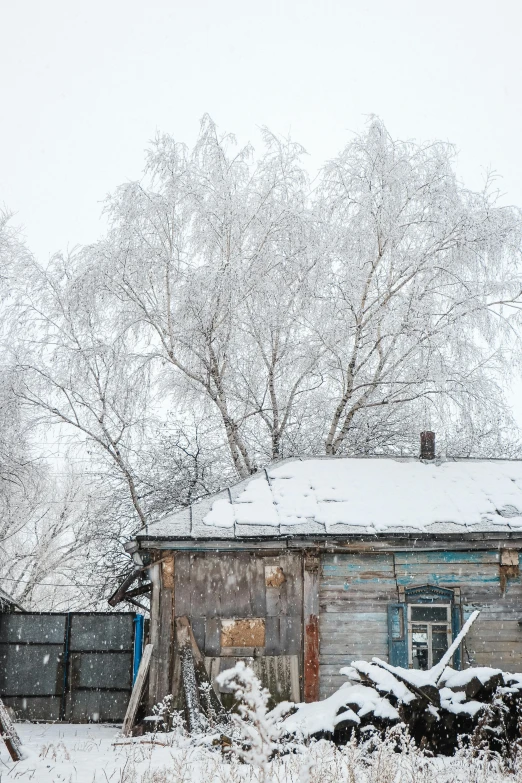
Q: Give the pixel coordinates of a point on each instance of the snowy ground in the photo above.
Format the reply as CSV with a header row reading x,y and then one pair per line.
x,y
91,754
71,753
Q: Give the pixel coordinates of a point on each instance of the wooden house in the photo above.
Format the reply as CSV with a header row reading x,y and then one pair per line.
x,y
313,563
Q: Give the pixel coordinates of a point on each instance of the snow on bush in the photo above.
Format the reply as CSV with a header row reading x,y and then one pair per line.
x,y
259,730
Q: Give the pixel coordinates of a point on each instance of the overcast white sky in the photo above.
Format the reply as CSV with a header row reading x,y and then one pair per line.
x,y
84,85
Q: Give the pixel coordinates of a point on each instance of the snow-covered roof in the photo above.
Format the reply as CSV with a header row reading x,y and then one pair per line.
x,y
357,496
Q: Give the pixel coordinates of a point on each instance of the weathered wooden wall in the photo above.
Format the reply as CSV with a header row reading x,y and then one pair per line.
x,y
350,615
355,590
214,586
496,638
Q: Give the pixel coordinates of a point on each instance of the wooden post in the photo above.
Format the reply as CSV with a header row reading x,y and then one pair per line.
x,y
9,734
137,690
161,628
311,565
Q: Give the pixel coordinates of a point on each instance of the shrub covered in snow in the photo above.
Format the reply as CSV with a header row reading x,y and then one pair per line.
x,y
442,708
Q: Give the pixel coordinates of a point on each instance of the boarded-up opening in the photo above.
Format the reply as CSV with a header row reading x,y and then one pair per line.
x,y
244,606
243,633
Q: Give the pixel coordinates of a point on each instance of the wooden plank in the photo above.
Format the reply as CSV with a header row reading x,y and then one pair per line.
x,y
137,691
342,606
499,646
204,600
292,589
212,636
450,580
257,586
280,675
500,614
273,643
277,575
273,601
311,566
447,556
242,652
198,625
331,669
236,597
227,585
182,584
345,659
369,544
351,589
351,639
358,648
370,561
352,622
343,619
290,635
512,635
9,734
363,635
456,568
283,635
511,662
295,685
212,666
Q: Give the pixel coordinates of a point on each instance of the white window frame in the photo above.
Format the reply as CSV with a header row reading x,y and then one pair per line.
x,y
428,624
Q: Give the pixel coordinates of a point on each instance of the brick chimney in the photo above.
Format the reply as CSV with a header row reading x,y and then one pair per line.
x,y
427,450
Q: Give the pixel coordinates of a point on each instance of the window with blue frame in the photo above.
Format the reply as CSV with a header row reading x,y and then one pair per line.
x,y
422,627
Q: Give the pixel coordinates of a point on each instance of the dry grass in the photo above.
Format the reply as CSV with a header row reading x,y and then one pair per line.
x,y
395,759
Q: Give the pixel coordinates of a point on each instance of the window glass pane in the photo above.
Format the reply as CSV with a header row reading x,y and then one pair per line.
x,y
439,641
419,644
429,614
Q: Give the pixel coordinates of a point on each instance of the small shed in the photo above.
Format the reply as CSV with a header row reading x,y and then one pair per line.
x,y
313,563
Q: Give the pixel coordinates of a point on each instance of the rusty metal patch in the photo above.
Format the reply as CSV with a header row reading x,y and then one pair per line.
x,y
243,633
274,576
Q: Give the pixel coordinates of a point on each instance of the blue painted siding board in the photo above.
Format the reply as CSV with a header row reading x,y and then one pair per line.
x,y
447,557
444,579
352,582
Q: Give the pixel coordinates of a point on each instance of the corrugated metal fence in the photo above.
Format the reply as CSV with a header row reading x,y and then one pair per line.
x,y
75,667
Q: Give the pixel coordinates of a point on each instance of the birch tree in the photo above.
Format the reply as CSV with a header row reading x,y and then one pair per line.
x,y
417,275
76,372
193,257
284,318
